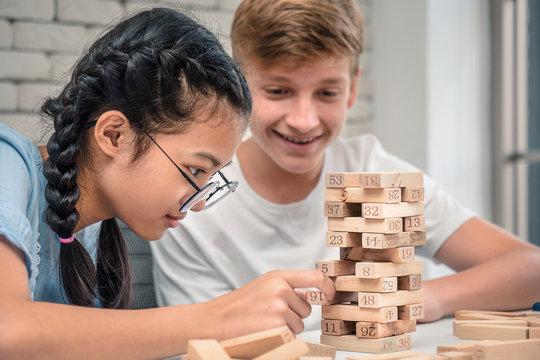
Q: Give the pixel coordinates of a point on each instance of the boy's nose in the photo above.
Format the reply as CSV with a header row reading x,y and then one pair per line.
x,y
305,118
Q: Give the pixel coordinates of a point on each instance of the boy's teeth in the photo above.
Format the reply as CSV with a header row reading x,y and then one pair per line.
x,y
305,141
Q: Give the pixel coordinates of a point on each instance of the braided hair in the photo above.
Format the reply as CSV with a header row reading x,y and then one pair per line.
x,y
158,67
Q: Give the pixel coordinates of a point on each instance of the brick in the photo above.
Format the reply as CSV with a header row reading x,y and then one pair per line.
x,y
18,65
61,66
48,37
29,125
6,34
30,96
8,96
27,9
89,11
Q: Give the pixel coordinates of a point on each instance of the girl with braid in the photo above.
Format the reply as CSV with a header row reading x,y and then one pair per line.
x,y
152,112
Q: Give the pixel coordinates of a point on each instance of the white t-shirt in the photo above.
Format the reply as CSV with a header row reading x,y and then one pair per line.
x,y
226,246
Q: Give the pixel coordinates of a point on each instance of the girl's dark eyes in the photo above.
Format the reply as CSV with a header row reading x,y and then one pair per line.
x,y
196,171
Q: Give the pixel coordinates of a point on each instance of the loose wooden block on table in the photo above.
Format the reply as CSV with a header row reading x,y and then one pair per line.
x,y
353,283
410,282
353,343
336,267
398,298
490,332
361,225
288,351
390,356
337,327
504,350
372,330
456,355
341,209
253,345
355,313
411,312
357,195
381,211
412,194
343,239
321,350
388,241
374,270
414,223
507,322
206,350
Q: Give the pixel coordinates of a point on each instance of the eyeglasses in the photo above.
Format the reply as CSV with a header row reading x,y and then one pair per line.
x,y
211,192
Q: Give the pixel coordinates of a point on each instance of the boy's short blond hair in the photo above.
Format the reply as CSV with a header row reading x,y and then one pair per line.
x,y
293,32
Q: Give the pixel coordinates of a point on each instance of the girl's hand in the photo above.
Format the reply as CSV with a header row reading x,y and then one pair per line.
x,y
269,301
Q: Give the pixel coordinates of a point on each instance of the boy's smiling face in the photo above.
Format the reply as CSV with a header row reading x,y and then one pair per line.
x,y
299,111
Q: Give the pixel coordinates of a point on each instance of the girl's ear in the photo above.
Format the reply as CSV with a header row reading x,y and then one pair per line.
x,y
112,133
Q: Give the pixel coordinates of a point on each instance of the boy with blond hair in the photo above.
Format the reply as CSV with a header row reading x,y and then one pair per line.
x,y
301,62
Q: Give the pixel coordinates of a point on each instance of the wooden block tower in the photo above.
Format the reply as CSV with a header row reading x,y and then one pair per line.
x,y
376,220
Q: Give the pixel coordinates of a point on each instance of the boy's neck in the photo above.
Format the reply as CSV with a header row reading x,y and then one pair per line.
x,y
272,182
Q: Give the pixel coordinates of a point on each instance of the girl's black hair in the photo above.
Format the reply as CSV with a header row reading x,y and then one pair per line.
x,y
159,68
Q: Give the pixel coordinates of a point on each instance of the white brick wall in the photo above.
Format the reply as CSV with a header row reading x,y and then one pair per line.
x,y
40,40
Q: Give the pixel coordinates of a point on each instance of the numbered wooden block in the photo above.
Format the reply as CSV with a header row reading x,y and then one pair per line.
x,y
410,282
382,211
353,343
388,241
397,298
504,350
411,312
412,194
321,351
343,239
391,180
337,327
353,283
357,195
455,355
372,330
315,297
414,223
534,333
374,270
253,345
361,225
341,209
390,356
336,267
355,313
291,350
395,255
206,350
490,332
341,180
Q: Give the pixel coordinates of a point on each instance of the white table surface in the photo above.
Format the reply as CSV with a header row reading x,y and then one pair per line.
x,y
425,339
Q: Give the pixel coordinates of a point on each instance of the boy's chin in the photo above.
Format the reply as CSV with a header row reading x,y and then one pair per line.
x,y
299,166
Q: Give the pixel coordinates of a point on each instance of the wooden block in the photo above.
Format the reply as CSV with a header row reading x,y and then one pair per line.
x,y
414,223
341,209
353,343
206,350
468,315
372,330
337,327
253,345
388,241
507,322
504,350
357,195
341,180
398,298
389,356
353,283
374,270
355,313
411,312
315,297
391,179
288,351
382,211
412,194
336,267
460,347
360,225
534,333
343,239
321,350
410,282
395,255
456,355
490,332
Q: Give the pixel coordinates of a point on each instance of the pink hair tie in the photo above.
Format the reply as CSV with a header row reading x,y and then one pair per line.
x,y
66,240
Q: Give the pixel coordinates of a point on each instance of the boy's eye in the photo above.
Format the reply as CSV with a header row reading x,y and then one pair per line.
x,y
196,171
329,93
276,91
